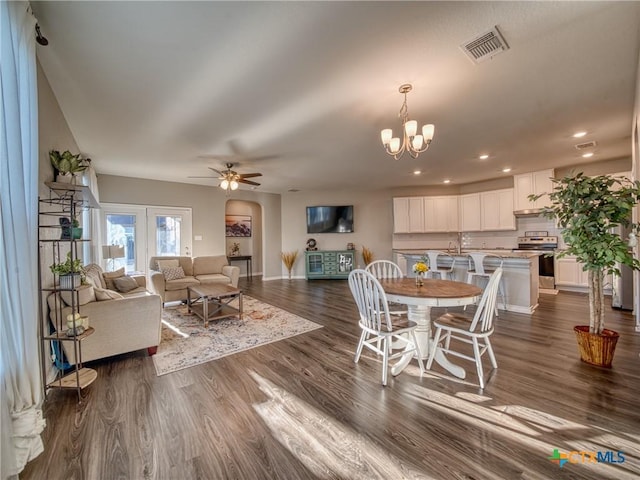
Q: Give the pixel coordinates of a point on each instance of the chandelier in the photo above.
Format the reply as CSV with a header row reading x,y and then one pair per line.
x,y
411,142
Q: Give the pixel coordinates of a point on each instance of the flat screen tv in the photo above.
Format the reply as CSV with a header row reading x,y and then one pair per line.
x,y
330,219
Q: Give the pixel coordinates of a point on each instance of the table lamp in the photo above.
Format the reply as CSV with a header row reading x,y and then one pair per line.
x,y
111,252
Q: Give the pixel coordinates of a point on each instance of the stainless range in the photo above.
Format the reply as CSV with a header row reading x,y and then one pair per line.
x,y
540,242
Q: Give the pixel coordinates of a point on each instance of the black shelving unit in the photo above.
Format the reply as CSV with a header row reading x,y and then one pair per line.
x,y
63,200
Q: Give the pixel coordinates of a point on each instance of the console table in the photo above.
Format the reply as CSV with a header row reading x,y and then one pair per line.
x,y
247,259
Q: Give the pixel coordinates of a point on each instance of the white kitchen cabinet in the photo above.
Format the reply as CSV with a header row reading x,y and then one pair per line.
x,y
470,213
408,215
487,211
441,214
568,273
532,183
496,209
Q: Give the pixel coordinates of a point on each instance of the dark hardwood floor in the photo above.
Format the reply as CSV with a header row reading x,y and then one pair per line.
x,y
301,409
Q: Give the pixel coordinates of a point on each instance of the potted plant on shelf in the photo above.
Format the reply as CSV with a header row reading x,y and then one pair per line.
x,y
70,272
588,209
67,165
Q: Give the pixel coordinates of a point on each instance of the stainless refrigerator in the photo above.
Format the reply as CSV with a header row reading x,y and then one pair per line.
x,y
622,294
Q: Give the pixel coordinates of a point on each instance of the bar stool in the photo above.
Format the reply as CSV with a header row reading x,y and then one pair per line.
x,y
445,273
477,269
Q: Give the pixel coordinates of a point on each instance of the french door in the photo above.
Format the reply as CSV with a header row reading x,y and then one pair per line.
x,y
144,232
169,231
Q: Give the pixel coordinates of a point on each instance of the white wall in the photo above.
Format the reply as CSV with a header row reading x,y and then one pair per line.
x,y
53,131
372,221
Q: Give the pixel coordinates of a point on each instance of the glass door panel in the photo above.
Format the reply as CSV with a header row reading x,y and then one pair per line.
x,y
169,232
121,231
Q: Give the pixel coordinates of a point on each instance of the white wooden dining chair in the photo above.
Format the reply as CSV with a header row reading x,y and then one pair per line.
x,y
383,269
445,273
380,330
474,331
478,270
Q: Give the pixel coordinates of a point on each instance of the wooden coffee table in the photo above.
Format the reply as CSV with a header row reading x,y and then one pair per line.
x,y
211,301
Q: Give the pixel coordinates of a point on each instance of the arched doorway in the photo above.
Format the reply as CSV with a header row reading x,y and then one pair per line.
x,y
249,237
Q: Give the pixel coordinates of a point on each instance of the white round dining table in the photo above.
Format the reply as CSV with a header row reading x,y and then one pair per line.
x,y
420,300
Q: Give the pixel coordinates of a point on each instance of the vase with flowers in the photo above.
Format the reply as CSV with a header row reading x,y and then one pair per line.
x,y
420,268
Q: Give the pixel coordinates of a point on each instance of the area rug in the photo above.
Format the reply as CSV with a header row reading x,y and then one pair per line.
x,y
186,342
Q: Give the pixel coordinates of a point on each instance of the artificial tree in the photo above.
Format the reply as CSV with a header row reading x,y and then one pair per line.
x,y
588,209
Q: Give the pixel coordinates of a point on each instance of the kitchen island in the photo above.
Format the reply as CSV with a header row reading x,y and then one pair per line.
x,y
520,274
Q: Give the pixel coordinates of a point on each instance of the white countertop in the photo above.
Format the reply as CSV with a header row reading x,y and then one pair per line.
x,y
505,253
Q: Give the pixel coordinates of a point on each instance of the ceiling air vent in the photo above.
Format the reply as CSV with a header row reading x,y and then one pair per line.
x,y
485,46
582,146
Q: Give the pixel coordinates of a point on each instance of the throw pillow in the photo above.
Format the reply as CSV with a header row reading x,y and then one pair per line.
x,y
104,294
93,275
173,273
167,263
109,276
85,295
125,284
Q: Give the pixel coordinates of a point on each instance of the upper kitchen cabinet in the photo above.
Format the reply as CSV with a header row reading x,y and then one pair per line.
x,y
408,215
441,214
532,183
497,210
470,213
487,211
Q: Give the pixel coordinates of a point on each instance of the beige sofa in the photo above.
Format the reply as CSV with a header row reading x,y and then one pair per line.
x,y
123,321
196,271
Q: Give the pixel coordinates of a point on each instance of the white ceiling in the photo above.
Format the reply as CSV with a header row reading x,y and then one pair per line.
x,y
300,90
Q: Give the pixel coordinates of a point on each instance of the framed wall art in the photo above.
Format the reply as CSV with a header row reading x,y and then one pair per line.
x,y
238,225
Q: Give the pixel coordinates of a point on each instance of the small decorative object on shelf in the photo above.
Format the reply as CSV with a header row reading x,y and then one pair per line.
x,y
420,269
71,229
312,245
351,246
76,324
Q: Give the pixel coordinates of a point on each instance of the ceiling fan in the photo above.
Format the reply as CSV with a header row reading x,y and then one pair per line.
x,y
230,179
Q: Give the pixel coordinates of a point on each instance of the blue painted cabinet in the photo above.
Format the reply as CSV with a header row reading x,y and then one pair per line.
x,y
329,263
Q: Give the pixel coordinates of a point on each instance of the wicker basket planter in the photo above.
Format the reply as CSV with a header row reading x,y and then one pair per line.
x,y
596,349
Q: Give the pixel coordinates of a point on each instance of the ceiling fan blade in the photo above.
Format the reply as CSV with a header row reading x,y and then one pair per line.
x,y
209,176
248,182
217,171
250,175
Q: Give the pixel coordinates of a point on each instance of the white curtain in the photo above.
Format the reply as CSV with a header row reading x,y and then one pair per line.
x,y
20,378
92,252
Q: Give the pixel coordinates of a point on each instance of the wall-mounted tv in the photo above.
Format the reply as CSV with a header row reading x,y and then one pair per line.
x,y
330,219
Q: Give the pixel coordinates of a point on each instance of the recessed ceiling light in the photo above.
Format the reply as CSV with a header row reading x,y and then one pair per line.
x,y
506,169
484,156
446,181
579,134
587,155
417,172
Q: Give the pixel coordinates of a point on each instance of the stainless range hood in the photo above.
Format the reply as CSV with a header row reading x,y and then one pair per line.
x,y
529,212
